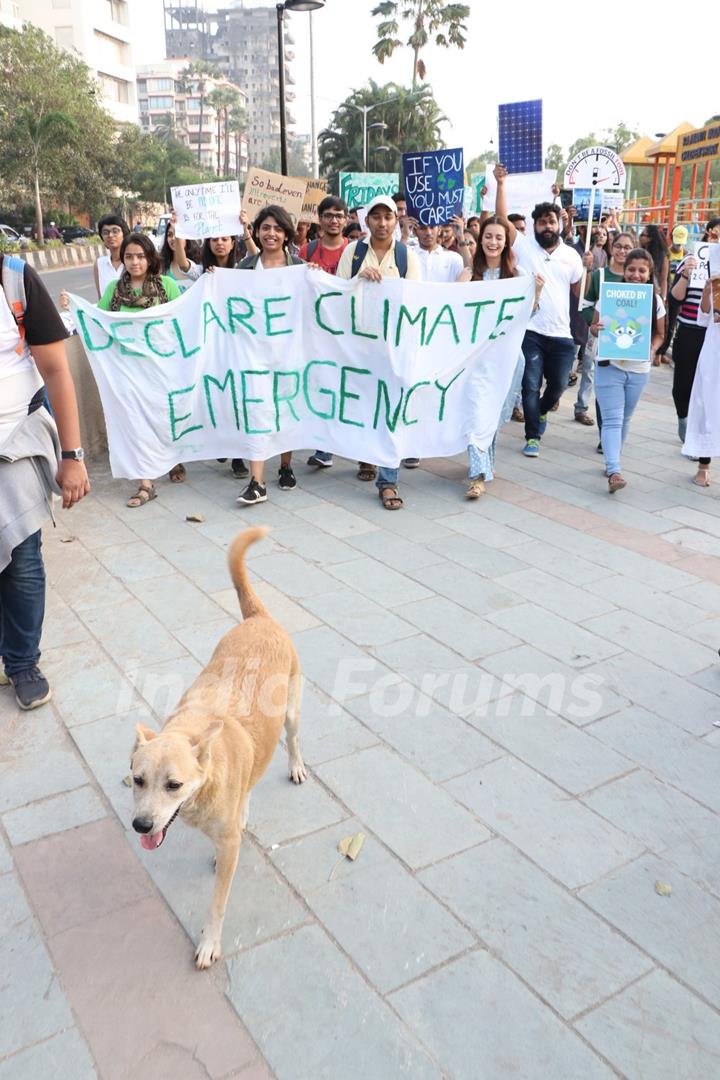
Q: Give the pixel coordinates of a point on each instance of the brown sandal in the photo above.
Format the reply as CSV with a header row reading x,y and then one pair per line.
x,y
389,498
616,482
177,474
365,471
144,494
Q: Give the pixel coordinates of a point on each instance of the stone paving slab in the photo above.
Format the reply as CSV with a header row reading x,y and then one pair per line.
x,y
515,701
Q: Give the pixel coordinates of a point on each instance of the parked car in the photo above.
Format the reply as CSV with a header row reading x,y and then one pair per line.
x,y
11,236
74,232
159,234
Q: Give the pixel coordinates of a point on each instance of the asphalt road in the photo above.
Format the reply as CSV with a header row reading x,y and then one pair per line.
x,y
76,279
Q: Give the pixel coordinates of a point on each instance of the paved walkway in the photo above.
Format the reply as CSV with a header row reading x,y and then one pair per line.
x,y
515,700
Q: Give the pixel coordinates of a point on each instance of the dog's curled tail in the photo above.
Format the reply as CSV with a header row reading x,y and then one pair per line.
x,y
249,602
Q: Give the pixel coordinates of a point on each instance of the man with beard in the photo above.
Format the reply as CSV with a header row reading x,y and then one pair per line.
x,y
548,348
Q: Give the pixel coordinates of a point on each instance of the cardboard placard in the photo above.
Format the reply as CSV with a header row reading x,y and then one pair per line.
x,y
314,194
271,189
206,209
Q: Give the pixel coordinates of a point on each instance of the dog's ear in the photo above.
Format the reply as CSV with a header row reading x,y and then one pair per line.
x,y
144,734
201,742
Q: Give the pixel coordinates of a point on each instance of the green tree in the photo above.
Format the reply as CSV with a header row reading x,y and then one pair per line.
x,y
223,98
56,141
555,157
412,122
430,21
146,165
194,79
237,125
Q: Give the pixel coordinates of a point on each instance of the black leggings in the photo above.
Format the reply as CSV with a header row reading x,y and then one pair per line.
x,y
686,350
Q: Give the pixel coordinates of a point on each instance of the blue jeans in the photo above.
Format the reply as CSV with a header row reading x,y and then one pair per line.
x,y
22,606
549,358
386,477
617,393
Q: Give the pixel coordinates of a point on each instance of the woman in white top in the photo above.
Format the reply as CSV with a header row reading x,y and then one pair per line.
x,y
619,383
494,259
112,231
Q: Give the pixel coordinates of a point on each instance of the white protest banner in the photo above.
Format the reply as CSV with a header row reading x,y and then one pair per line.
x,y
699,276
206,209
523,191
271,189
249,365
314,195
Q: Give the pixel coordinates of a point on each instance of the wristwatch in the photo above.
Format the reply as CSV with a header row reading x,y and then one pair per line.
x,y
73,455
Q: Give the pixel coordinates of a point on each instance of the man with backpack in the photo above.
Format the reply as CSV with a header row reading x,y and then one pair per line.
x,y
40,455
326,253
381,256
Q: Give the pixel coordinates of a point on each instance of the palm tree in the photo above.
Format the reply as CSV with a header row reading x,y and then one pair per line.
x,y
44,132
222,99
237,124
197,74
427,17
412,122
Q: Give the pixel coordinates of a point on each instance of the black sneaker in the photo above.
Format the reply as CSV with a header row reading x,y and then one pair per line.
x,y
287,479
253,493
31,688
321,459
239,468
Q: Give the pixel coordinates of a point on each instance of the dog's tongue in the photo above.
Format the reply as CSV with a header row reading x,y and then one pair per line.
x,y
152,841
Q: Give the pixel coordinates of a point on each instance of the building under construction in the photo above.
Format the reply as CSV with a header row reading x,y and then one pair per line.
x,y
241,42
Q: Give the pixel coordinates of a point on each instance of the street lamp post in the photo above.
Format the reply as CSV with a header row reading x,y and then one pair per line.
x,y
365,109
288,5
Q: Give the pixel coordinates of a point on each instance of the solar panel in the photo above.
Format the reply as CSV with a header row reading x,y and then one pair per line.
x,y
521,136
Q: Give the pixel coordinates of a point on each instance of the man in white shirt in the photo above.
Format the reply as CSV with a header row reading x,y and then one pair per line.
x,y
548,347
380,257
437,264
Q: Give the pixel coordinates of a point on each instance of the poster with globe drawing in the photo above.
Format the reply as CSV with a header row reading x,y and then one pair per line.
x,y
626,318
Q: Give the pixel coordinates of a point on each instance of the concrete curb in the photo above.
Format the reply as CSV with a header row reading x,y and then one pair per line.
x,y
70,255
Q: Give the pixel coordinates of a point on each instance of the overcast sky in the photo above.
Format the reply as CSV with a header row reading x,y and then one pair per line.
x,y
629,73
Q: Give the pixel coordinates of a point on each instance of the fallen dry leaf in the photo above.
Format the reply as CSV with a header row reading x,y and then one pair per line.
x,y
349,847
67,539
662,889
194,517
127,781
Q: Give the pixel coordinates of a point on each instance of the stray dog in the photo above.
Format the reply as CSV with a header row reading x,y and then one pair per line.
x,y
219,741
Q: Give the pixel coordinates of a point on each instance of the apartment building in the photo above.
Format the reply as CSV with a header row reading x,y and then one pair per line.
x,y
165,94
99,31
241,42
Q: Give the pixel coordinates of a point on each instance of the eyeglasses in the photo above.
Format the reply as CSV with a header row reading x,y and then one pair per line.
x,y
333,217
111,232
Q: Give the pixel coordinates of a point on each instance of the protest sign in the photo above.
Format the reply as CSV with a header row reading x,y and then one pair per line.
x,y
522,190
254,364
359,188
206,209
626,315
434,185
477,183
612,200
314,195
468,203
582,197
271,189
699,276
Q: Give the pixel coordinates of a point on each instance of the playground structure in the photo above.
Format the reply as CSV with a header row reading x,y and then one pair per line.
x,y
684,148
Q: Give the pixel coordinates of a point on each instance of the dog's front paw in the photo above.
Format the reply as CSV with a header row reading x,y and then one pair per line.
x,y
207,952
296,770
